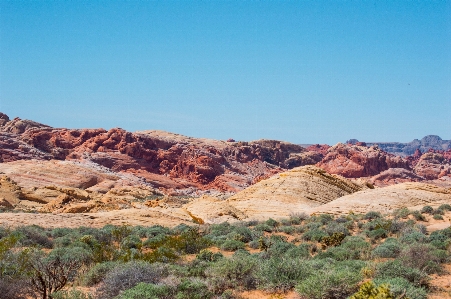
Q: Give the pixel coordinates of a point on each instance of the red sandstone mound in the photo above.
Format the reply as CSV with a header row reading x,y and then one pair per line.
x,y
165,160
355,161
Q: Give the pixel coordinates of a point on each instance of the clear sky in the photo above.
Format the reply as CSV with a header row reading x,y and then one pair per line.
x,y
300,71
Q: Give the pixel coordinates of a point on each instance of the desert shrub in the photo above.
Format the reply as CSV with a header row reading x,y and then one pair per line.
x,y
341,219
51,272
401,287
336,253
418,216
314,235
357,246
17,288
162,254
33,235
263,227
193,289
287,229
438,212
334,282
61,232
254,244
413,237
232,273
402,213
444,207
298,252
372,215
441,238
208,256
321,218
285,222
389,249
152,231
271,222
377,234
396,226
369,291
71,294
280,274
333,240
155,241
128,275
147,290
438,217
420,256
335,227
182,227
222,229
427,210
232,245
297,218
131,241
241,233
396,268
98,272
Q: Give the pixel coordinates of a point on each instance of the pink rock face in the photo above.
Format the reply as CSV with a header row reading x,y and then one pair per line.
x,y
353,161
319,148
433,165
394,176
168,161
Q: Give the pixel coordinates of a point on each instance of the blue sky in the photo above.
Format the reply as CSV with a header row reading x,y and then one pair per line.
x,y
300,71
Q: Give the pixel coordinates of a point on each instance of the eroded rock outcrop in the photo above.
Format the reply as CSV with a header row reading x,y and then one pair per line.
x,y
354,161
433,165
292,191
394,176
388,199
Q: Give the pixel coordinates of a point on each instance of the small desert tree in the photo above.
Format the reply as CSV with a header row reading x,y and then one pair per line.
x,y
50,273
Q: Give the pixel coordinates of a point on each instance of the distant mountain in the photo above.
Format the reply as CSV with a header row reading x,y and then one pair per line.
x,y
407,149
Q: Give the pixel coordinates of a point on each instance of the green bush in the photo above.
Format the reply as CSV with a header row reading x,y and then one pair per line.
x,y
438,217
263,227
128,275
131,241
97,273
402,213
34,235
232,245
389,249
427,210
336,282
280,274
369,291
400,286
444,207
377,234
193,289
314,235
357,247
397,268
147,291
372,215
418,216
232,273
208,256
271,222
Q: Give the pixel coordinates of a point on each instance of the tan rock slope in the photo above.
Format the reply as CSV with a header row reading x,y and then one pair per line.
x,y
388,199
296,190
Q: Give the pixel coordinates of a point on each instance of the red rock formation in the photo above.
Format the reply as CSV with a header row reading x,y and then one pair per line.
x,y
394,176
166,160
433,165
353,161
319,148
